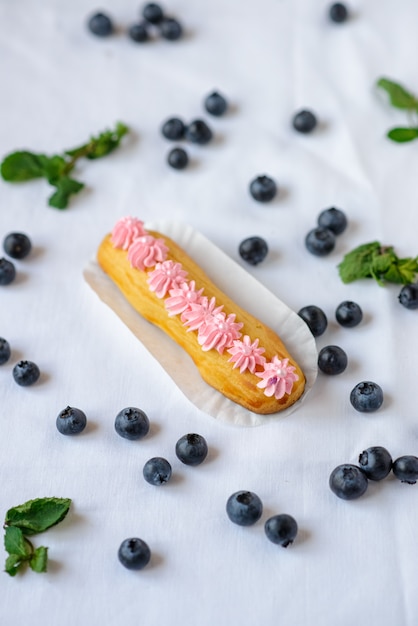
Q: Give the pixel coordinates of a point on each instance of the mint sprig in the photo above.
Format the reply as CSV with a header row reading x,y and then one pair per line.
x,y
34,516
400,98
372,260
24,165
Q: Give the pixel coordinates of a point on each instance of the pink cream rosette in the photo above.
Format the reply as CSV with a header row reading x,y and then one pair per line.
x,y
277,378
200,313
182,297
146,251
219,332
125,231
166,276
246,355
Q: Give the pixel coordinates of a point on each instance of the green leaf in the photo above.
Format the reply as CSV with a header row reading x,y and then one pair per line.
x,y
403,271
399,97
54,167
39,560
13,564
15,542
107,141
358,263
36,516
65,187
402,135
21,166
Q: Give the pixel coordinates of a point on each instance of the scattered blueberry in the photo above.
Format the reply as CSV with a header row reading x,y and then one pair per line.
x,y
263,188
333,219
405,468
348,314
408,296
375,462
153,13
139,32
173,129
26,373
171,29
244,508
348,482
215,104
281,529
315,318
134,553
366,397
71,421
320,241
7,272
253,250
100,25
17,245
332,360
192,449
132,423
157,471
304,121
178,158
338,13
198,132
5,351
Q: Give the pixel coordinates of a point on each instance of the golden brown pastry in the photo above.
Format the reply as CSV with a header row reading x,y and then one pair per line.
x,y
234,352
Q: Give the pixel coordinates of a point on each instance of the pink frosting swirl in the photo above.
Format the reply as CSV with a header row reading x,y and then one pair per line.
x,y
166,275
146,251
219,331
125,231
278,378
200,313
182,297
246,355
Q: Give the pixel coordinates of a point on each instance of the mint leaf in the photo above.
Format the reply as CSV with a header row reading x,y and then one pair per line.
x,y
15,542
21,166
372,260
13,564
38,562
358,263
66,187
399,97
36,516
402,135
403,271
107,141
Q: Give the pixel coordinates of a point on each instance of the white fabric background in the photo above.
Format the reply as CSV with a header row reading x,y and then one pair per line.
x,y
353,561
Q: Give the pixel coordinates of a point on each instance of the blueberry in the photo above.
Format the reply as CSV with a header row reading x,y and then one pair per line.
x,y
134,553
178,158
139,32
7,272
338,13
366,397
333,219
173,129
320,241
4,351
263,188
304,121
26,373
153,13
348,482
253,250
100,25
348,314
375,462
281,529
132,423
171,29
192,449
408,296
315,318
17,245
198,132
244,508
332,360
71,421
215,104
157,471
405,468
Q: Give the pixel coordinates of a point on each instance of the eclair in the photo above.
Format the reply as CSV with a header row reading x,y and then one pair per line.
x,y
235,353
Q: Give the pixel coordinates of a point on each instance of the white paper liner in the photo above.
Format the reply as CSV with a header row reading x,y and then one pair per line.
x,y
242,288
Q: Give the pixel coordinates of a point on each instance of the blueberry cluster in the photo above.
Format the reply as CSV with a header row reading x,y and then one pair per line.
x,y
197,132
245,508
190,449
25,373
153,22
349,481
321,240
17,246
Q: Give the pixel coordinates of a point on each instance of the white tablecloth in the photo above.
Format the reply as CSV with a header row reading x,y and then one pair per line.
x,y
352,562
